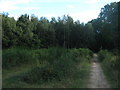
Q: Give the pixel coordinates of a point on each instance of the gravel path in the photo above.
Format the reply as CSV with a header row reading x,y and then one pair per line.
x,y
97,78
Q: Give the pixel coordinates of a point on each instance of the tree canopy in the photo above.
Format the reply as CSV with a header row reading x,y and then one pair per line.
x,y
30,31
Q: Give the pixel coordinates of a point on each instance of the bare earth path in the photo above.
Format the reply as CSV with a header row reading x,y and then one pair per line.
x,y
97,78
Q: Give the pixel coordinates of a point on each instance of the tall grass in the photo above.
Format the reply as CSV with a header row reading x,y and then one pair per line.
x,y
110,65
16,56
49,64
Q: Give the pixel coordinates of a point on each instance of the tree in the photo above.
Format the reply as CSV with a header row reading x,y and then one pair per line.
x,y
98,33
36,42
25,30
9,37
106,27
45,32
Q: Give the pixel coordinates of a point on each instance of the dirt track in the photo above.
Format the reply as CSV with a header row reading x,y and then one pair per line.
x,y
97,78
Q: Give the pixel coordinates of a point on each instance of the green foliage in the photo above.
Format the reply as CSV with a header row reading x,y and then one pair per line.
x,y
20,78
102,55
50,64
110,63
9,37
65,32
58,64
16,56
106,27
82,54
109,58
43,33
85,52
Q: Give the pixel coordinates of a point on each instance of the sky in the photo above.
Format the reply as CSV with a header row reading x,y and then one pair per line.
x,y
83,10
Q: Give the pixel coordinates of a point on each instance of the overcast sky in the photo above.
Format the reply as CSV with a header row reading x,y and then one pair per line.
x,y
83,10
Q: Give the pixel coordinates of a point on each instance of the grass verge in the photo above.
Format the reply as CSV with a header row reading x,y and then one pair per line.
x,y
48,68
110,66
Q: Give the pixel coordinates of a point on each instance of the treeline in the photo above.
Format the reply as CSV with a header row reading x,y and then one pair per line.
x,y
29,31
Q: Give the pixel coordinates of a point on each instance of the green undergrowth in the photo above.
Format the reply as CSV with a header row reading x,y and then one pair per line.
x,y
110,64
53,67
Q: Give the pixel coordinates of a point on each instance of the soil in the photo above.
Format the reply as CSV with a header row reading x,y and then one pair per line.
x,y
97,77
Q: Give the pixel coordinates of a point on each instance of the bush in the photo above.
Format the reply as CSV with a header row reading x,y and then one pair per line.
x,y
48,55
17,56
110,65
102,55
38,75
59,64
82,54
52,63
65,65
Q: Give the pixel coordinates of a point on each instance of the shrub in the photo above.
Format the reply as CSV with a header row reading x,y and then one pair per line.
x,y
65,65
60,64
38,75
52,63
85,52
82,54
17,56
110,65
102,55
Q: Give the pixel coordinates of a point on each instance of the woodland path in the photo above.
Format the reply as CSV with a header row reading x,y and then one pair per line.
x,y
97,78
